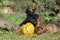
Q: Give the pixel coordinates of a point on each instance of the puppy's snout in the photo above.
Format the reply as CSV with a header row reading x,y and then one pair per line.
x,y
35,22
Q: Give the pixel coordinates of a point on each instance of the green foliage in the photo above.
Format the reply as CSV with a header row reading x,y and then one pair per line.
x,y
20,5
42,4
0,0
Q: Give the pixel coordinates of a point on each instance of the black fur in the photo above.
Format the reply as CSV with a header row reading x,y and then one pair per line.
x,y
32,18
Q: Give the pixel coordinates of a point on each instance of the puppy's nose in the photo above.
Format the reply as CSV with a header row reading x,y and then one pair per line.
x,y
35,22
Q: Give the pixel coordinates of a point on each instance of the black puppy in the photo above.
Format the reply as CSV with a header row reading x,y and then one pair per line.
x,y
32,18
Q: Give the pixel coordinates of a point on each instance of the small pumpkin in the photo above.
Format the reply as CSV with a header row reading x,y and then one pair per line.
x,y
27,29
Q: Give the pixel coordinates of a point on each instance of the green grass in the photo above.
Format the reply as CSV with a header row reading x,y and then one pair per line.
x,y
14,36
14,18
17,19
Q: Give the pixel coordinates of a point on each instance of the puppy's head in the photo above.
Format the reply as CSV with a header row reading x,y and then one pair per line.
x,y
31,8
